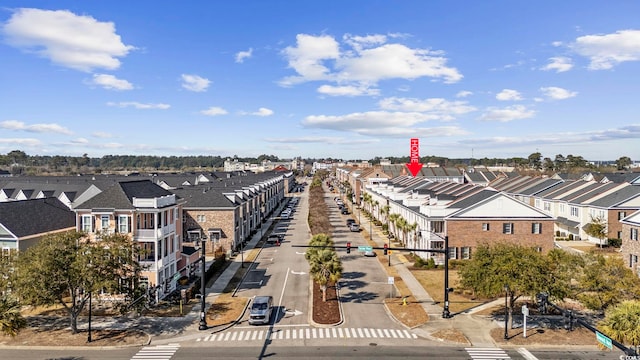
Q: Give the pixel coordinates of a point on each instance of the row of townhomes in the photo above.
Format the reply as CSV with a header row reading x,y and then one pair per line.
x,y
166,214
476,205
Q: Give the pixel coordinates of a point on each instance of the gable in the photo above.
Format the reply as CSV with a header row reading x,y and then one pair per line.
x,y
499,206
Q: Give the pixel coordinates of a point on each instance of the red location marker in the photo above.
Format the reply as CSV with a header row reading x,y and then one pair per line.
x,y
414,164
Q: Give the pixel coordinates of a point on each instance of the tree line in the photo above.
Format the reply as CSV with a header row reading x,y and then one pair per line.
x,y
18,162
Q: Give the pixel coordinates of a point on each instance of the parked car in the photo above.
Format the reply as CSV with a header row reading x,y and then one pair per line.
x,y
354,227
261,309
344,211
274,239
350,221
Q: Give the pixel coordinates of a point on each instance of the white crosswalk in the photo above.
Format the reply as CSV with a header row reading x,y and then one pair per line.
x,y
309,333
158,352
487,353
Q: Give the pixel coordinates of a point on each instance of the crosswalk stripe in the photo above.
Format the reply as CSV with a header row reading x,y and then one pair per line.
x,y
487,353
158,352
314,333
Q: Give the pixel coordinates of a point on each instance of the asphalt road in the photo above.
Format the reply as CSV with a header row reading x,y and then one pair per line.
x,y
308,353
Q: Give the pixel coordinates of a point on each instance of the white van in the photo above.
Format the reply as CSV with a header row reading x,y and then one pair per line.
x,y
261,310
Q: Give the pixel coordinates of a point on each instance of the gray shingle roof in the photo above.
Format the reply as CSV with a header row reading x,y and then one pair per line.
x,y
120,195
38,216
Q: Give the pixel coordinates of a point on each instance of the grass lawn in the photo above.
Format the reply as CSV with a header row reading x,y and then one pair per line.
x,y
433,283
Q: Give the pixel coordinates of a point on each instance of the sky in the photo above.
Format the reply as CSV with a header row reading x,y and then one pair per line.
x,y
350,79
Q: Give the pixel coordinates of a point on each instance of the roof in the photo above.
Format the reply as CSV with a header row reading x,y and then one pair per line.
x,y
51,215
120,195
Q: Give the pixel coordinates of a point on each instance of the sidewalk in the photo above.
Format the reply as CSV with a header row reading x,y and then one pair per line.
x,y
474,328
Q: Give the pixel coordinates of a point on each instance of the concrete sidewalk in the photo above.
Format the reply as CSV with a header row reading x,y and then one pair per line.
x,y
474,328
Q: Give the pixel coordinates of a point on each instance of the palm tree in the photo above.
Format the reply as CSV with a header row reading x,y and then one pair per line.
x,y
325,267
318,240
411,228
401,223
392,219
622,323
11,320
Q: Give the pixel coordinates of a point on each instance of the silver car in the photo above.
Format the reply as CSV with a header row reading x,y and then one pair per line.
x,y
261,310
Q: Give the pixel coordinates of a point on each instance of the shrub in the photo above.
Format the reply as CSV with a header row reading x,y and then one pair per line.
x,y
614,242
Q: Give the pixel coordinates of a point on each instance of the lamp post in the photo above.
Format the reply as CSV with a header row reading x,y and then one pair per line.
x,y
446,314
89,332
203,320
389,245
506,312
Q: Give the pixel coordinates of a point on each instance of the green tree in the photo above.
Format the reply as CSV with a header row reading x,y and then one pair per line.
x,y
11,320
597,228
323,241
325,267
508,269
623,162
606,281
622,323
534,161
66,268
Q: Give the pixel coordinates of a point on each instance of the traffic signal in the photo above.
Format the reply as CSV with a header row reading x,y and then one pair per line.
x,y
348,247
386,249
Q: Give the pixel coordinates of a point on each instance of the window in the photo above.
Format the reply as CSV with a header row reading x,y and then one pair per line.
x,y
123,224
86,223
634,234
104,222
622,215
485,226
574,211
147,252
466,252
539,249
159,247
536,228
547,206
507,228
453,253
200,218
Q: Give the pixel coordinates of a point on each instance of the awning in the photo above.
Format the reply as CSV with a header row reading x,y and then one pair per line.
x,y
567,222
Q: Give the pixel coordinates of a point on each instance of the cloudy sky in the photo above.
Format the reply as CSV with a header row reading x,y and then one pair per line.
x,y
332,78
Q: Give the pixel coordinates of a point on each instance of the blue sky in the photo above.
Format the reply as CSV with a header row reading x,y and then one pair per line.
x,y
332,78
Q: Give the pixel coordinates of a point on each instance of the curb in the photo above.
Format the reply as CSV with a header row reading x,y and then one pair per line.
x,y
310,317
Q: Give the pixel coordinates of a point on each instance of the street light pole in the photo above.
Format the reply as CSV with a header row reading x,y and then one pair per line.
x,y
89,333
203,320
445,310
506,312
389,245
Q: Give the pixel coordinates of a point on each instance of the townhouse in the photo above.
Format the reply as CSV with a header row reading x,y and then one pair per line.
x,y
467,214
147,213
630,248
24,223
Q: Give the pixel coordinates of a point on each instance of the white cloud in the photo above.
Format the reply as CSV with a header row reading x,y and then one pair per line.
x,y
214,111
559,64
37,128
79,141
101,134
440,109
70,40
137,105
509,95
263,112
463,94
110,82
369,60
557,93
609,50
241,55
195,83
307,57
21,142
364,122
348,90
509,113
